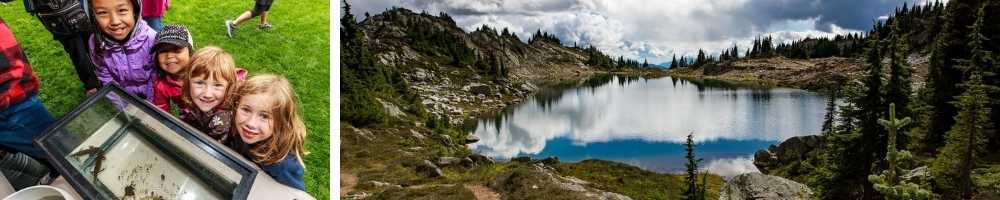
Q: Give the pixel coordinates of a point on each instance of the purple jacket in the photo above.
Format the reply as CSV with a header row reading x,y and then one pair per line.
x,y
129,64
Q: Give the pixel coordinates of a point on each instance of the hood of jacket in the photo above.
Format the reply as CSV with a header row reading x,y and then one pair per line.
x,y
105,41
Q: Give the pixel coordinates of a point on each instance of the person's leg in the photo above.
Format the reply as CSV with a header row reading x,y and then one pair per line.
x,y
231,24
263,6
263,17
263,22
21,123
246,15
75,46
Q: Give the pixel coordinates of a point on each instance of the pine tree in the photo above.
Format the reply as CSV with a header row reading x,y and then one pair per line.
x,y
735,53
943,76
700,59
692,191
831,111
898,89
840,154
983,60
965,142
673,62
888,182
870,107
360,75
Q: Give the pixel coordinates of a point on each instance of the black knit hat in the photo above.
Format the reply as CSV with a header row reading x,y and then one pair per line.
x,y
176,35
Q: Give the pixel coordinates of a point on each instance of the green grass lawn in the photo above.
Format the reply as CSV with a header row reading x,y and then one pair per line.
x,y
297,47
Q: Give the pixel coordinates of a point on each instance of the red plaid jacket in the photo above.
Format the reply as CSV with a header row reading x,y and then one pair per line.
x,y
17,81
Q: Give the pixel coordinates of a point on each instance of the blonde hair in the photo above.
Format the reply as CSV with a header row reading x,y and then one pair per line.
x,y
211,61
289,133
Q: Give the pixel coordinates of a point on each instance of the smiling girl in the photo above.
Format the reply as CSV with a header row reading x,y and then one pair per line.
x,y
121,48
208,91
269,128
173,51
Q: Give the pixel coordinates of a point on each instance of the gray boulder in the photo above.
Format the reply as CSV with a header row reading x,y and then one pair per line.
x,y
445,161
429,169
421,74
792,150
471,138
467,162
390,108
755,185
480,89
481,159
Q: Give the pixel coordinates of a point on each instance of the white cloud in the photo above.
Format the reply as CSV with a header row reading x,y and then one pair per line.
x,y
655,29
729,167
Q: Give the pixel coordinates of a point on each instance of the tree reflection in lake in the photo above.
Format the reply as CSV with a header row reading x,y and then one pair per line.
x,y
644,121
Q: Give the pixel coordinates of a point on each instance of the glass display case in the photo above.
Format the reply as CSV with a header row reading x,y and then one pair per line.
x,y
116,146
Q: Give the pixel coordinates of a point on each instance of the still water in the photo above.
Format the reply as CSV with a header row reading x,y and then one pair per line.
x,y
645,122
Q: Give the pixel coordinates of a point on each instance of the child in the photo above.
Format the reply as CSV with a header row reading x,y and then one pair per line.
x,y
69,24
207,92
121,48
152,12
260,8
22,116
269,129
173,48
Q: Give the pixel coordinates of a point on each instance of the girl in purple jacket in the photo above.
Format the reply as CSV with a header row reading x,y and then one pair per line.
x,y
121,48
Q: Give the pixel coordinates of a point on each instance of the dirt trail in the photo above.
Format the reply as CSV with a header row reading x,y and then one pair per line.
x,y
483,192
347,183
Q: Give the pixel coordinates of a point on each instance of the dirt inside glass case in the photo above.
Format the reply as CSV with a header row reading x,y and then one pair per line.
x,y
116,147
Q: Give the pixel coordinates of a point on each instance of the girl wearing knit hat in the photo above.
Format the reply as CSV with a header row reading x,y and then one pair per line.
x,y
172,54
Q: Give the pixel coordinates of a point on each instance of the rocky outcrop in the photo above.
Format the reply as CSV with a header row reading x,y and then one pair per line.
x,y
760,186
459,90
792,150
538,181
811,74
390,109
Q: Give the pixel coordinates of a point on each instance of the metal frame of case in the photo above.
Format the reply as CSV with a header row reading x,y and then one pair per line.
x,y
89,191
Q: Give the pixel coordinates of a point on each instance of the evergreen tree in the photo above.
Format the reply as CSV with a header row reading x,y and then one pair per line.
x,y
983,61
701,59
943,76
870,107
735,53
358,72
831,111
888,182
673,62
965,142
898,89
692,191
840,154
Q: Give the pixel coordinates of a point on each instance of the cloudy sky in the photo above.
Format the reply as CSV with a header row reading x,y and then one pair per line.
x,y
656,29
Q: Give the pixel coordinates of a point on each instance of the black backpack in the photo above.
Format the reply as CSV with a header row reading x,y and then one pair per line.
x,y
61,17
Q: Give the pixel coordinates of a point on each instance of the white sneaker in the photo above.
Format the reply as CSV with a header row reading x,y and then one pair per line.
x,y
229,28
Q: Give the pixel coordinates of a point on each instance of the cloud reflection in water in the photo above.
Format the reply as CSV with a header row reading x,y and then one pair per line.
x,y
658,111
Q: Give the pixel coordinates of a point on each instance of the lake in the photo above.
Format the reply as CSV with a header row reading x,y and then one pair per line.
x,y
645,122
